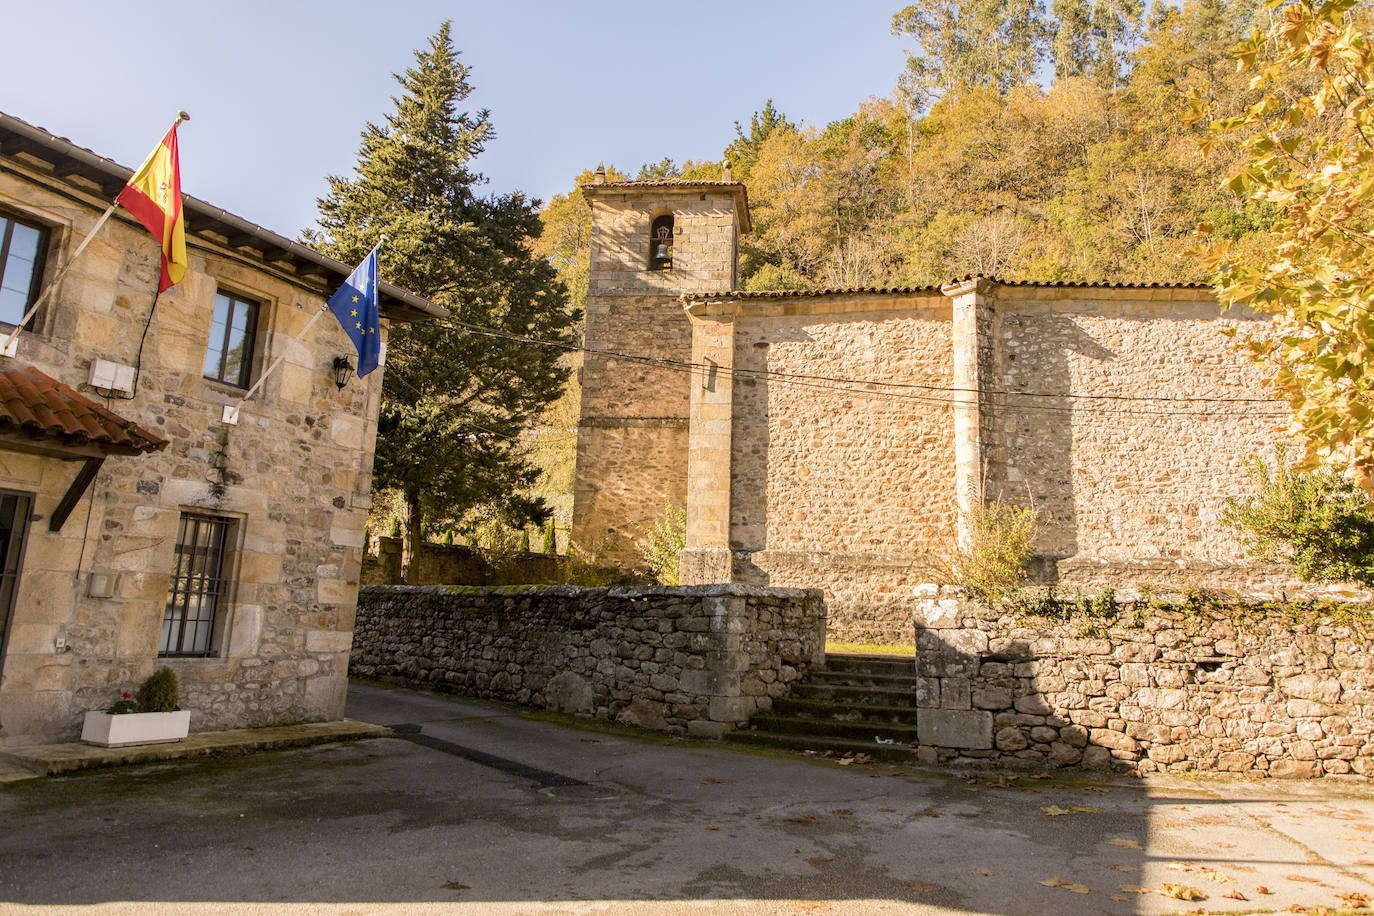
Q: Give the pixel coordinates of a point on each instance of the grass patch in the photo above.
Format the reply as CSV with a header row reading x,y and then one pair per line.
x,y
867,648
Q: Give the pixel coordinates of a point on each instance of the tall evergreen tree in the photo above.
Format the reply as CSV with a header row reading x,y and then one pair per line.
x,y
455,398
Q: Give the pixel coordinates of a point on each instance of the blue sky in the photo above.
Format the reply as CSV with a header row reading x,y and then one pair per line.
x,y
278,92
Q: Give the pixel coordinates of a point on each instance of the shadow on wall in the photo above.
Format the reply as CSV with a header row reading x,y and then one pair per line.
x,y
1033,423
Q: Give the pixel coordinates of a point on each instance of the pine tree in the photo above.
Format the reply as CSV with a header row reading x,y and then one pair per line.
x,y
455,398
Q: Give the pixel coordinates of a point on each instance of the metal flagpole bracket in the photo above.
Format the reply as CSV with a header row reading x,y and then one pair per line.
x,y
230,416
11,346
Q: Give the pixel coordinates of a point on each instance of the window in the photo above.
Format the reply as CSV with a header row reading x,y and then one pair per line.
x,y
661,243
229,358
198,585
22,246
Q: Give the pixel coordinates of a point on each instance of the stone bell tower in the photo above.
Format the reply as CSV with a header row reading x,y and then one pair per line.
x,y
652,241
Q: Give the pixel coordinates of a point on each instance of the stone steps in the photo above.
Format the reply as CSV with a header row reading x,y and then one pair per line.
x,y
851,705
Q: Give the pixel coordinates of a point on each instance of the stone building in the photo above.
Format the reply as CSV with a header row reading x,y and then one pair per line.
x,y
842,438
137,528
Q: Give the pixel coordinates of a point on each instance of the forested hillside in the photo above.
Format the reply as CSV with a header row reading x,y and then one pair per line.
x,y
1021,142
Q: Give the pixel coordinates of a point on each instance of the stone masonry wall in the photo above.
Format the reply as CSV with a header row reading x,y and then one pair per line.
x,y
1250,690
1139,484
698,659
632,434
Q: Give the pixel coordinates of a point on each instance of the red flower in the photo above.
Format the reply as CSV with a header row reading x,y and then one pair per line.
x,y
126,695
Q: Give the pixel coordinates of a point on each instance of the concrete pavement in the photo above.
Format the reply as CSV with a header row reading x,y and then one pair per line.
x,y
484,808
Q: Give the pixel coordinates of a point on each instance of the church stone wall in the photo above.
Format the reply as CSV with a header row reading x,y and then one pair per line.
x,y
1140,486
847,489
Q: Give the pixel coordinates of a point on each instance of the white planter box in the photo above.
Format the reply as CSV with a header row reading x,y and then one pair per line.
x,y
135,728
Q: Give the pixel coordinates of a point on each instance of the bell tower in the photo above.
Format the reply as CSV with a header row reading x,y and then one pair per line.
x,y
651,243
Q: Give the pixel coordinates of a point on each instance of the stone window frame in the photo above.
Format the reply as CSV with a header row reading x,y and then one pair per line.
x,y
248,366
221,619
52,236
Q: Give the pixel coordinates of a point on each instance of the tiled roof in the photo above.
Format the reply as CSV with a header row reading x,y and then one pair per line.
x,y
808,293
1080,284
667,183
927,290
41,407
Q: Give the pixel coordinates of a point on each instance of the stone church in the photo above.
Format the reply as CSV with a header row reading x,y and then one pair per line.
x,y
840,438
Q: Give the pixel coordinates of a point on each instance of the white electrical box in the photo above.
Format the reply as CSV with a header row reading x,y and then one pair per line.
x,y
111,376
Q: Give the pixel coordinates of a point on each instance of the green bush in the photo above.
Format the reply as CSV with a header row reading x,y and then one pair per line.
x,y
159,692
524,540
1319,521
395,528
663,542
1000,539
550,539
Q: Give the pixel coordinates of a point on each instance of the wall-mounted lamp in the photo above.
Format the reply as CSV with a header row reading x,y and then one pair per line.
x,y
343,370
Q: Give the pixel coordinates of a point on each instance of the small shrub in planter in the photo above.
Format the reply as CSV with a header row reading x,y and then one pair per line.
x,y
150,718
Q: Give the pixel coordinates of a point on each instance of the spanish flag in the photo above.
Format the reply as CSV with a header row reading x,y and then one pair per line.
x,y
153,195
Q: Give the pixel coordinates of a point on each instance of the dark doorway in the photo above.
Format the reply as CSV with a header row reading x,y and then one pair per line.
x,y
14,525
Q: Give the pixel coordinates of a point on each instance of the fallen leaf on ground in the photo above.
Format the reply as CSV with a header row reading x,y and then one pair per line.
x,y
887,810
456,886
713,827
1235,895
927,812
1216,877
1179,866
1134,888
1236,866
842,812
1119,898
981,871
1263,890
1044,775
1054,811
1302,878
1084,809
1097,789
1066,885
1181,892
1123,843
1356,900
1122,867
1349,836
818,861
922,887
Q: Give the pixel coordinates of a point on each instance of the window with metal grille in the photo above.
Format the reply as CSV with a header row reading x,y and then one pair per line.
x,y
22,247
198,585
229,356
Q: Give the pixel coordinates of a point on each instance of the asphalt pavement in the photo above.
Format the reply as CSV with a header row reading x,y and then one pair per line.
x,y
481,807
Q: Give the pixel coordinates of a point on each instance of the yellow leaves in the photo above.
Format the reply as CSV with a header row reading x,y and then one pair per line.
x,y
1066,885
1056,811
1356,900
1123,843
1181,892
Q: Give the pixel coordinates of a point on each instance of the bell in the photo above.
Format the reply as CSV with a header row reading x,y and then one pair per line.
x,y
661,252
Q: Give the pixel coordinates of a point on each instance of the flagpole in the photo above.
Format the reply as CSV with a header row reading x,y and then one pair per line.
x,y
231,412
9,348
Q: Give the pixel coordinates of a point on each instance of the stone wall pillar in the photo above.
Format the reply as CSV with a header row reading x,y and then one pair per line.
x,y
975,359
707,557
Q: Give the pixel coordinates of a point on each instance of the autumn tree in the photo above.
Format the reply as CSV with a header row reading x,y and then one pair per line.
x,y
456,394
1307,148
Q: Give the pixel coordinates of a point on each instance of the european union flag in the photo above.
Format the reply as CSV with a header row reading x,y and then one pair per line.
x,y
355,305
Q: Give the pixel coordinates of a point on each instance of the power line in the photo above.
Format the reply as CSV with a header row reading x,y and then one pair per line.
x,y
845,385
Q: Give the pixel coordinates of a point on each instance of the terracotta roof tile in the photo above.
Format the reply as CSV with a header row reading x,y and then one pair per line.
x,y
927,290
665,183
811,293
44,408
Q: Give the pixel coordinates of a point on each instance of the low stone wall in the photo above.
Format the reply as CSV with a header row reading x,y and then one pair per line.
x,y
697,659
1184,686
